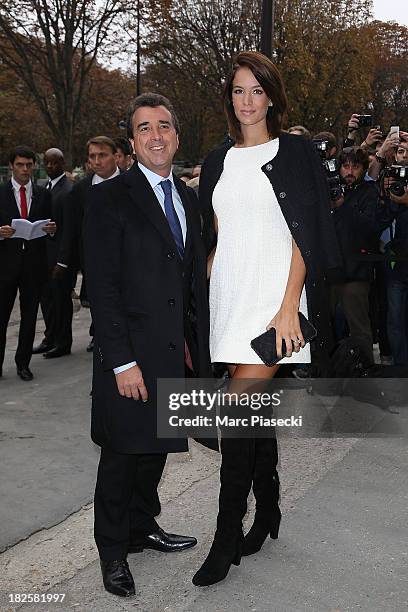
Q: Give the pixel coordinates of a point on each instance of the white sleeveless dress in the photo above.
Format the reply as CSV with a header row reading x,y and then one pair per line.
x,y
252,259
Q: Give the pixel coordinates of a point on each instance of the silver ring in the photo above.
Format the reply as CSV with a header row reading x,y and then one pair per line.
x,y
297,341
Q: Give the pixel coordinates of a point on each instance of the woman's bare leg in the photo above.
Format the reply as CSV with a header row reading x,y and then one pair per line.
x,y
254,371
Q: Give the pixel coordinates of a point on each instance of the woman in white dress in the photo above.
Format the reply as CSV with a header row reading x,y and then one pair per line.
x,y
257,276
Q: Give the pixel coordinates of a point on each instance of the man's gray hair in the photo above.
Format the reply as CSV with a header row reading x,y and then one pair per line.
x,y
151,100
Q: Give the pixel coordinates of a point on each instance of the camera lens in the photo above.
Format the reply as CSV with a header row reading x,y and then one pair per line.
x,y
397,189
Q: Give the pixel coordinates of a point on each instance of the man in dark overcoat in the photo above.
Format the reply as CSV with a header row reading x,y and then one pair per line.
x,y
146,275
56,302
101,158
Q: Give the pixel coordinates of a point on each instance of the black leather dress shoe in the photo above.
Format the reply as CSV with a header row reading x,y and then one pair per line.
x,y
43,347
25,373
162,541
117,578
57,352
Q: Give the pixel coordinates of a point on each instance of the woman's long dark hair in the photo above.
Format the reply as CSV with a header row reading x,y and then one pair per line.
x,y
269,77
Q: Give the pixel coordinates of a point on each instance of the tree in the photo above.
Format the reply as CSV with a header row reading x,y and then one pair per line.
x,y
189,50
20,120
325,56
51,46
105,102
390,75
322,49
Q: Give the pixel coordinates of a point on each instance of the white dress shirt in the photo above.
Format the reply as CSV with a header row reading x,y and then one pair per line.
x,y
155,180
52,182
29,193
96,179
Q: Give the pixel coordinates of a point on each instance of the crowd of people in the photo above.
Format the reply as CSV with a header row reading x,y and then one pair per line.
x,y
368,296
367,176
288,227
45,272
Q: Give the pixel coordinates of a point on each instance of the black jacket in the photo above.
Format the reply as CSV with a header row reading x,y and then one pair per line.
x,y
359,223
15,252
145,301
71,247
399,243
298,179
59,202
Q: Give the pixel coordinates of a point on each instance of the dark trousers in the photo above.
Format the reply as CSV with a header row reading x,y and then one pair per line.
x,y
30,289
380,301
83,296
126,500
57,309
353,298
398,320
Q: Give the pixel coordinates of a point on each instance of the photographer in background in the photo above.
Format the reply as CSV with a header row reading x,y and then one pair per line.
x,y
359,220
395,193
385,154
330,139
357,122
326,146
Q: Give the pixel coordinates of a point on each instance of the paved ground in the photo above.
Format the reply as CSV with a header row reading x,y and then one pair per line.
x,y
343,542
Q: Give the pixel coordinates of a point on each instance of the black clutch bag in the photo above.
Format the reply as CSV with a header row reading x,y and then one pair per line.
x,y
265,344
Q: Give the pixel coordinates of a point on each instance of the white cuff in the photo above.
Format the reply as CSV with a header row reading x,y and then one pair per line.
x,y
122,368
61,264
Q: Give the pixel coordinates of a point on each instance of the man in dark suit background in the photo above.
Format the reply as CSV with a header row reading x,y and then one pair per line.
x,y
142,251
23,262
101,157
123,153
56,301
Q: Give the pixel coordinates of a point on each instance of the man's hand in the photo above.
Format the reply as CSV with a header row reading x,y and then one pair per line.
x,y
49,228
400,199
389,143
58,272
373,136
352,126
338,202
6,231
131,384
403,136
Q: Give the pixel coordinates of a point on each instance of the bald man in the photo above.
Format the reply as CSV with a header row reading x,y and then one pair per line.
x,y
56,302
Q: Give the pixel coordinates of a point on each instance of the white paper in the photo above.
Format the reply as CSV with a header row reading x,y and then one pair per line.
x,y
27,230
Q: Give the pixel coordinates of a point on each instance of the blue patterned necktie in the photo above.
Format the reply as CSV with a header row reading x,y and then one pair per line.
x,y
172,217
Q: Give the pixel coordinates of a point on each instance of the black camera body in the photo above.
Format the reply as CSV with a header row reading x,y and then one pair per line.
x,y
321,147
365,120
400,176
336,187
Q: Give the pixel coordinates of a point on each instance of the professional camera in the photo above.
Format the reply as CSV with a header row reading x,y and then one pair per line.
x,y
336,187
321,147
400,176
365,120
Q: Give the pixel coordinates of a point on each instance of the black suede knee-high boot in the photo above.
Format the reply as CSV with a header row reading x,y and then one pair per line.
x,y
236,477
266,492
